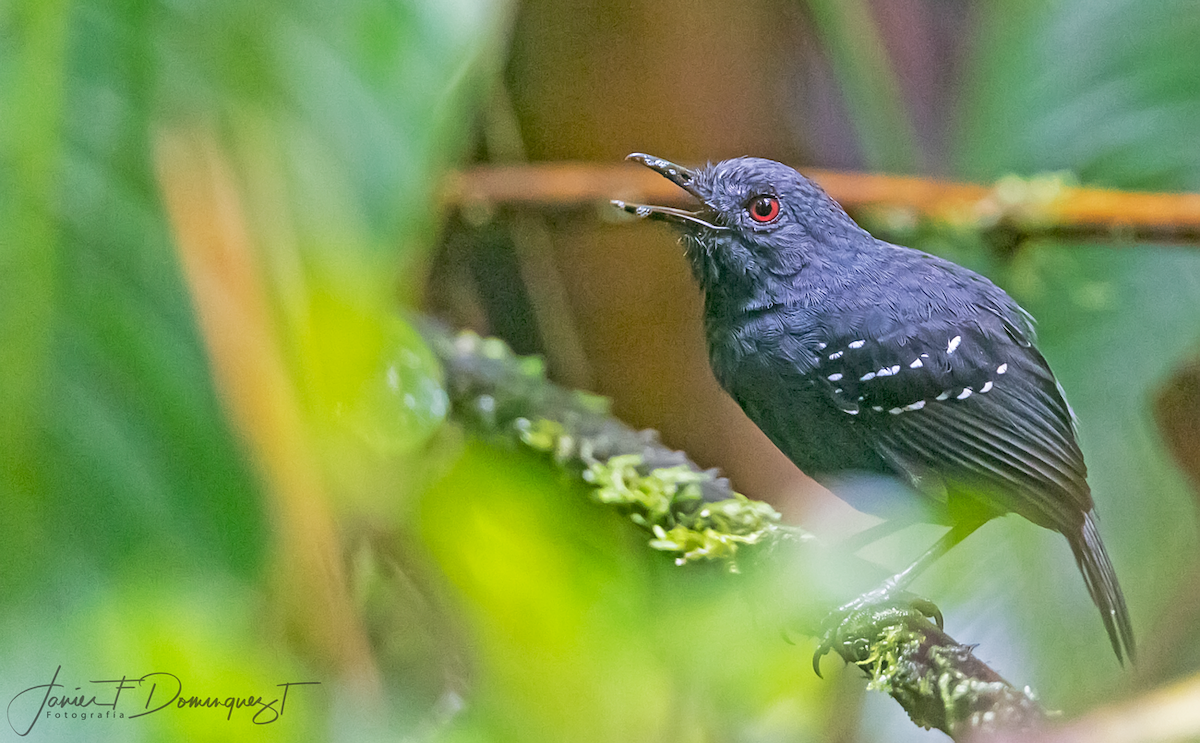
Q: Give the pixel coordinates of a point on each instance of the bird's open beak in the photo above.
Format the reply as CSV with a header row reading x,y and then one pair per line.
x,y
676,174
681,177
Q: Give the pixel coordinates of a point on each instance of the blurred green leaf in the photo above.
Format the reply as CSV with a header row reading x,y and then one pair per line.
x,y
1105,89
582,633
141,461
31,96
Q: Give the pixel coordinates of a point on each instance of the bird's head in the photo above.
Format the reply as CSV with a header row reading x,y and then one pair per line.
x,y
759,220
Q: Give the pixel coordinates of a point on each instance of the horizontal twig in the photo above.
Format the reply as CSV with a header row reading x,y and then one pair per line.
x,y
1041,205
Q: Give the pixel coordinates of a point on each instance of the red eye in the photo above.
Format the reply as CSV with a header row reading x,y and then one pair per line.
x,y
763,209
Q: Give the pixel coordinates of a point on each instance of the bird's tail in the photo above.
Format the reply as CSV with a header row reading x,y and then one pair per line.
x,y
1102,584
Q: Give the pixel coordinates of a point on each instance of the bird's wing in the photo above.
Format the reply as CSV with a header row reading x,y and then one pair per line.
x,y
974,404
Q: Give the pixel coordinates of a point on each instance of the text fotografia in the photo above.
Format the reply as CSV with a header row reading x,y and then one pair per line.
x,y
129,698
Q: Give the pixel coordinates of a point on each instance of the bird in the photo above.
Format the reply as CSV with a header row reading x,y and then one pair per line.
x,y
856,356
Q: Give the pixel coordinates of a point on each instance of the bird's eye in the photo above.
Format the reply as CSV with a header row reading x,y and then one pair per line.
x,y
763,209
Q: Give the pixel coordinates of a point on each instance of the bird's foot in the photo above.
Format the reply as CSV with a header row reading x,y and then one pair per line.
x,y
853,628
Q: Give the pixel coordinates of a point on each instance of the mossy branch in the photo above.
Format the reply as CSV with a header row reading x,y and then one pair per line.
x,y
690,512
938,681
694,514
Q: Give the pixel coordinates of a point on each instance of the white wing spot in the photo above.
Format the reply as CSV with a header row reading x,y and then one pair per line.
x,y
895,368
836,355
820,346
986,386
916,405
884,372
944,396
964,394
1002,368
867,377
952,346
838,391
850,412
857,344
916,364
834,377
896,411
877,408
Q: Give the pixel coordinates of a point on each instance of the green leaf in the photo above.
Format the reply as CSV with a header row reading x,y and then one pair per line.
x,y
31,97
1105,89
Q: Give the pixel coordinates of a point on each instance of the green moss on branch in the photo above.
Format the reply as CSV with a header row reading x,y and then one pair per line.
x,y
687,511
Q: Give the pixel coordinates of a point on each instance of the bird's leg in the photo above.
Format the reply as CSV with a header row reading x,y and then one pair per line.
x,y
873,534
957,533
885,598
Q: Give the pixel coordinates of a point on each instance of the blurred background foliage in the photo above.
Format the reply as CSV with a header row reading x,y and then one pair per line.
x,y
223,454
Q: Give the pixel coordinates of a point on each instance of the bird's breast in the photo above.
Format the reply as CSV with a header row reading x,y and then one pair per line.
x,y
771,344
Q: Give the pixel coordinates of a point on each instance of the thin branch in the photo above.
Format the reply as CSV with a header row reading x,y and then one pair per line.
x,y
937,680
1040,206
693,514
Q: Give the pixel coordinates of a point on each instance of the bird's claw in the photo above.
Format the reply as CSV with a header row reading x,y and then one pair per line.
x,y
929,610
853,627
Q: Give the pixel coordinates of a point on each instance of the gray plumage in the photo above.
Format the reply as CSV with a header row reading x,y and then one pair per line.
x,y
858,356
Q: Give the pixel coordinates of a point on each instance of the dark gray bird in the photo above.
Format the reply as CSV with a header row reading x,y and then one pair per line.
x,y
858,356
